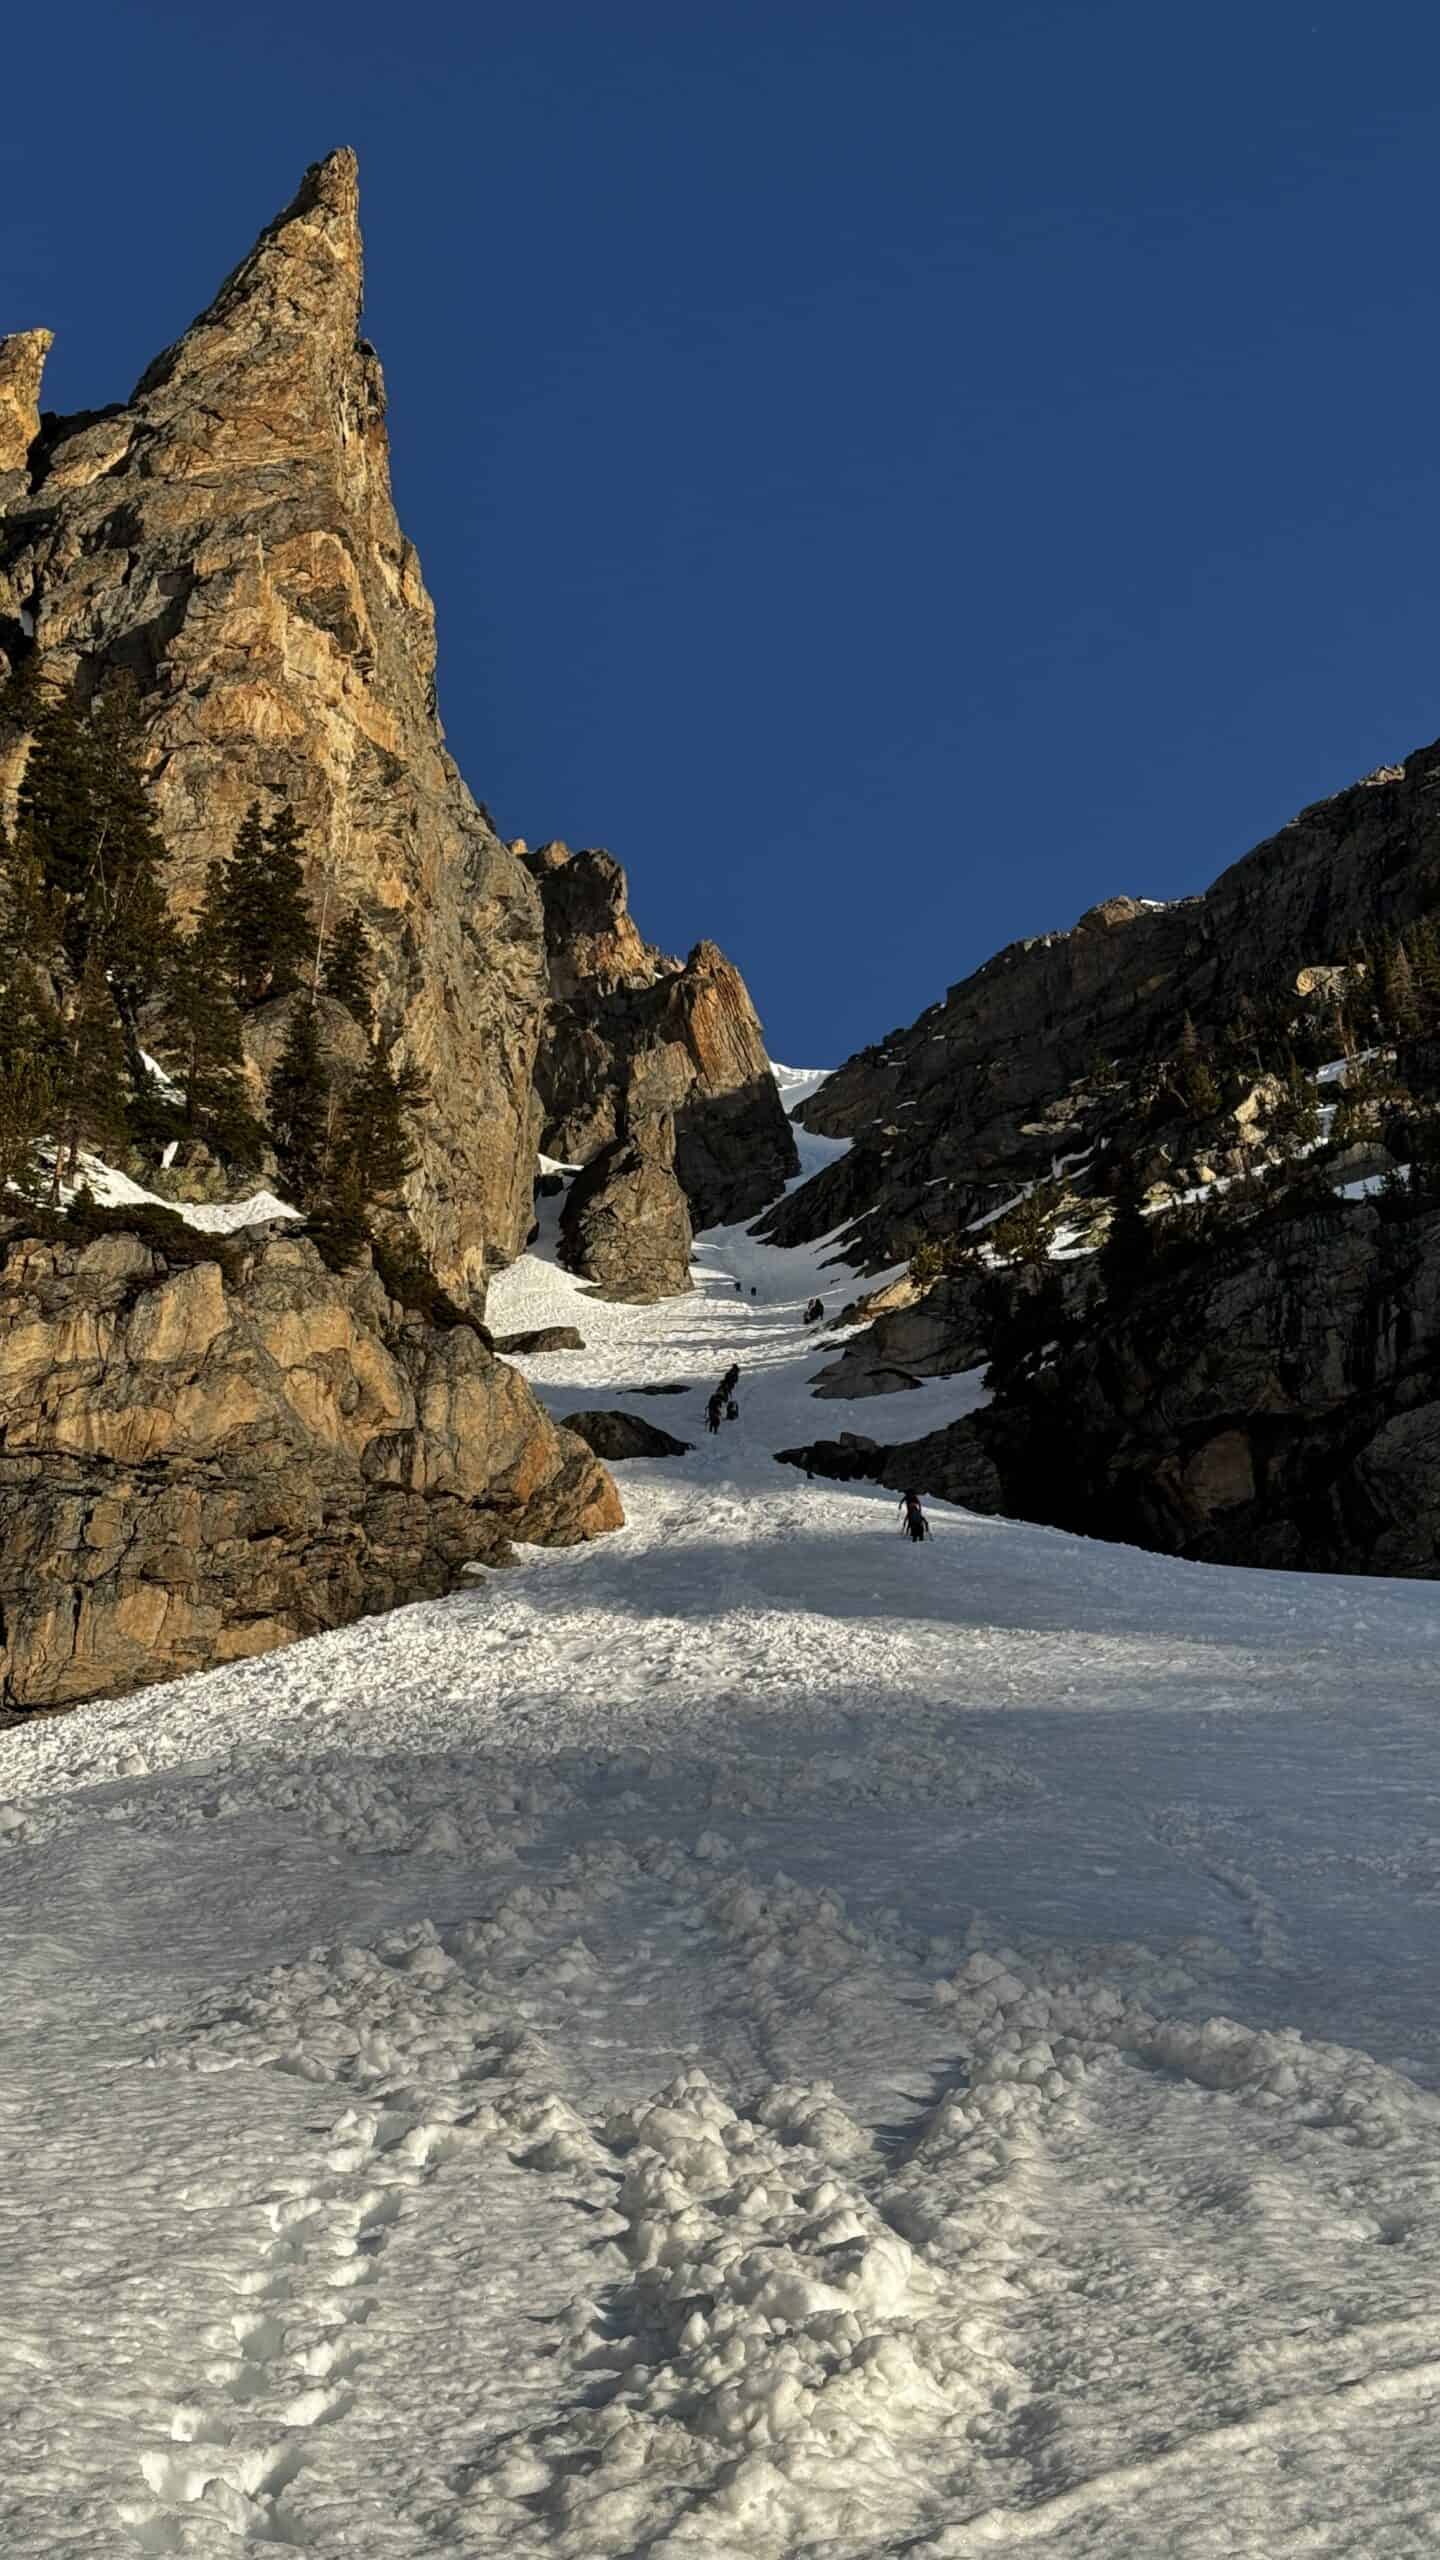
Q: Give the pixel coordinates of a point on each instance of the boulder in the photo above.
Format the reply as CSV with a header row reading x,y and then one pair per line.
x,y
625,1225
954,1464
614,1436
207,1458
545,1337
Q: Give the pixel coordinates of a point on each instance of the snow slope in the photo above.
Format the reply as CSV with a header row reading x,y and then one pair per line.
x,y
112,1189
752,2038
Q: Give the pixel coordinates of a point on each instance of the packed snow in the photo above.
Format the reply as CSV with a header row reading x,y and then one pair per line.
x,y
751,2038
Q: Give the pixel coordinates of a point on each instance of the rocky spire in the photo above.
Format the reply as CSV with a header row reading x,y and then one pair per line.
x,y
291,307
22,362
229,539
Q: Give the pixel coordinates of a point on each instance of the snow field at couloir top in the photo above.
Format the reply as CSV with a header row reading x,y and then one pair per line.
x,y
749,2038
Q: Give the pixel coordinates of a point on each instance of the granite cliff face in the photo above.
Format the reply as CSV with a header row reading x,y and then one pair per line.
x,y
992,1084
632,1035
228,536
1273,1405
205,1458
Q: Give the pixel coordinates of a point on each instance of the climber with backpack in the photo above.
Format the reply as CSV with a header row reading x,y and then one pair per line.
x,y
714,1411
912,1518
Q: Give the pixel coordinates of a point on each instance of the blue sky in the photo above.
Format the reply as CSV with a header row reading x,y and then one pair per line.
x,y
894,473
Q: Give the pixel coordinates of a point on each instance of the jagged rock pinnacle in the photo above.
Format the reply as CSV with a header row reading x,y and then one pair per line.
x,y
22,362
298,291
228,538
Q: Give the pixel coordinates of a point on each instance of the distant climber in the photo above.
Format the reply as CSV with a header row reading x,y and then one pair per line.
x,y
912,1518
715,1411
731,1379
739,1288
815,1311
754,1293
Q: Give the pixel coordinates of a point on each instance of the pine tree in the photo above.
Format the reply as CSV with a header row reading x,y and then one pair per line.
x,y
1397,989
256,906
26,1102
292,924
1027,1230
21,699
1196,1084
89,1073
1128,1251
84,825
130,920
1424,945
299,1100
349,974
55,821
1295,1118
374,1141
235,911
199,1041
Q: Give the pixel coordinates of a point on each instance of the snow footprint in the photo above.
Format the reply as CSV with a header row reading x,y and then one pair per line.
x,y
288,2359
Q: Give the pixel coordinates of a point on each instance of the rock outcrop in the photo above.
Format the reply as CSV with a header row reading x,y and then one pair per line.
x,y
208,1457
543,1337
22,365
228,537
989,1087
630,1032
943,1330
615,1436
953,1463
625,1224
1272,1403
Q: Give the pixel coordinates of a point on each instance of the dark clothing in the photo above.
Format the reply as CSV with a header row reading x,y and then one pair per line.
x,y
729,1382
713,1413
912,1518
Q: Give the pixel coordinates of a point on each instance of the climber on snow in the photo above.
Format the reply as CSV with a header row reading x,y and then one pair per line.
x,y
912,1518
715,1411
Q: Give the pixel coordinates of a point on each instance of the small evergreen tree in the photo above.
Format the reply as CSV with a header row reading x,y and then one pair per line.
x,y
256,908
1295,1118
349,973
130,922
1027,1230
199,1041
374,1139
85,832
89,1073
26,1103
1424,946
1128,1251
55,816
1399,1007
300,1105
292,923
927,1262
